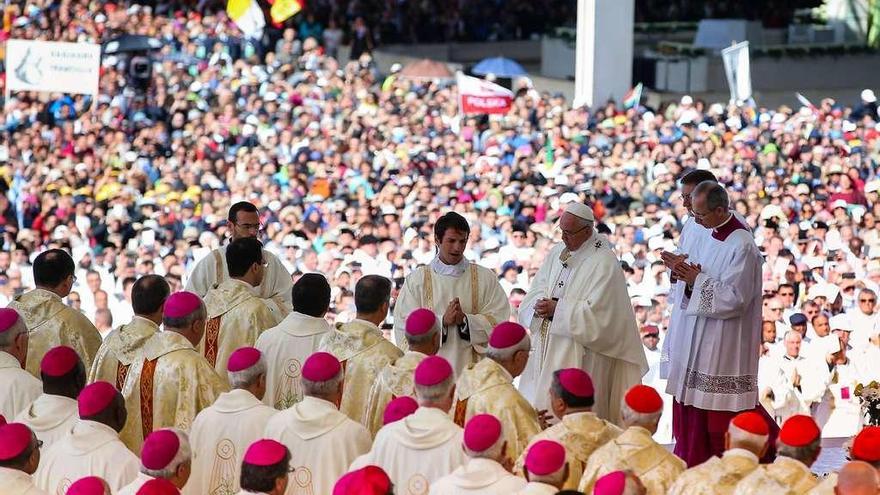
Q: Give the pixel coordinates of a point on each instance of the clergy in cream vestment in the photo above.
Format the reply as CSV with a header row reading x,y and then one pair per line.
x,y
746,441
634,449
18,460
322,440
93,447
467,298
579,430
714,366
236,313
580,316
221,433
167,455
125,344
545,468
50,322
426,445
212,270
52,415
18,388
360,346
265,468
797,449
487,388
173,382
484,473
396,380
287,345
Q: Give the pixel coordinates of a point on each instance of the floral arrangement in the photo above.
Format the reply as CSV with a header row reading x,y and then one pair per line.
x,y
869,397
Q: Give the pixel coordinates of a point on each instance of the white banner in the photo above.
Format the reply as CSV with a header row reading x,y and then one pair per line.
x,y
51,66
739,75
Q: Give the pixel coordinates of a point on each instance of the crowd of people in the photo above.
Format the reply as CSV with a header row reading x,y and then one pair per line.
x,y
350,171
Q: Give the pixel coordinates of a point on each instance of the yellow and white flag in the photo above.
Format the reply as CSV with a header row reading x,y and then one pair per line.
x,y
248,16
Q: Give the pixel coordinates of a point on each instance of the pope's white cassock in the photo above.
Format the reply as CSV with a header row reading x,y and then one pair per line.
x,y
277,283
92,449
323,442
417,450
713,350
286,348
219,437
50,417
593,328
18,388
434,286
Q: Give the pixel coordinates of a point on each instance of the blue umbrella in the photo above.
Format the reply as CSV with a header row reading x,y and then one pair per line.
x,y
500,66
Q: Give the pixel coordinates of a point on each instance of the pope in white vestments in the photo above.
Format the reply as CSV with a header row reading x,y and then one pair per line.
x,y
323,441
212,270
426,445
580,316
467,298
93,447
299,334
221,433
18,388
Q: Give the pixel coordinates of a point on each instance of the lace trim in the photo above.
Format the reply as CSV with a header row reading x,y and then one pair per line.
x,y
718,384
707,296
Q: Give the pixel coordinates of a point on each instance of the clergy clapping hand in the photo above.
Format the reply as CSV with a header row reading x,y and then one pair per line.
x,y
545,308
454,315
686,272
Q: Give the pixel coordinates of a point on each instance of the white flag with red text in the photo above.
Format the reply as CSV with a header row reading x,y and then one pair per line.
x,y
477,95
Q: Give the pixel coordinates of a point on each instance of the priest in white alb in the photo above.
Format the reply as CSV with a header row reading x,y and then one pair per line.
x,y
51,415
93,447
714,371
237,315
221,433
692,233
212,270
426,445
287,345
322,441
396,379
580,316
467,298
125,344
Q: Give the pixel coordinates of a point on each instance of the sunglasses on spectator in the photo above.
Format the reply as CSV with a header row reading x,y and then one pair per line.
x,y
651,336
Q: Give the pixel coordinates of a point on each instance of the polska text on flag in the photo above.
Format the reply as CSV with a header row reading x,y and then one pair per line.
x,y
477,95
